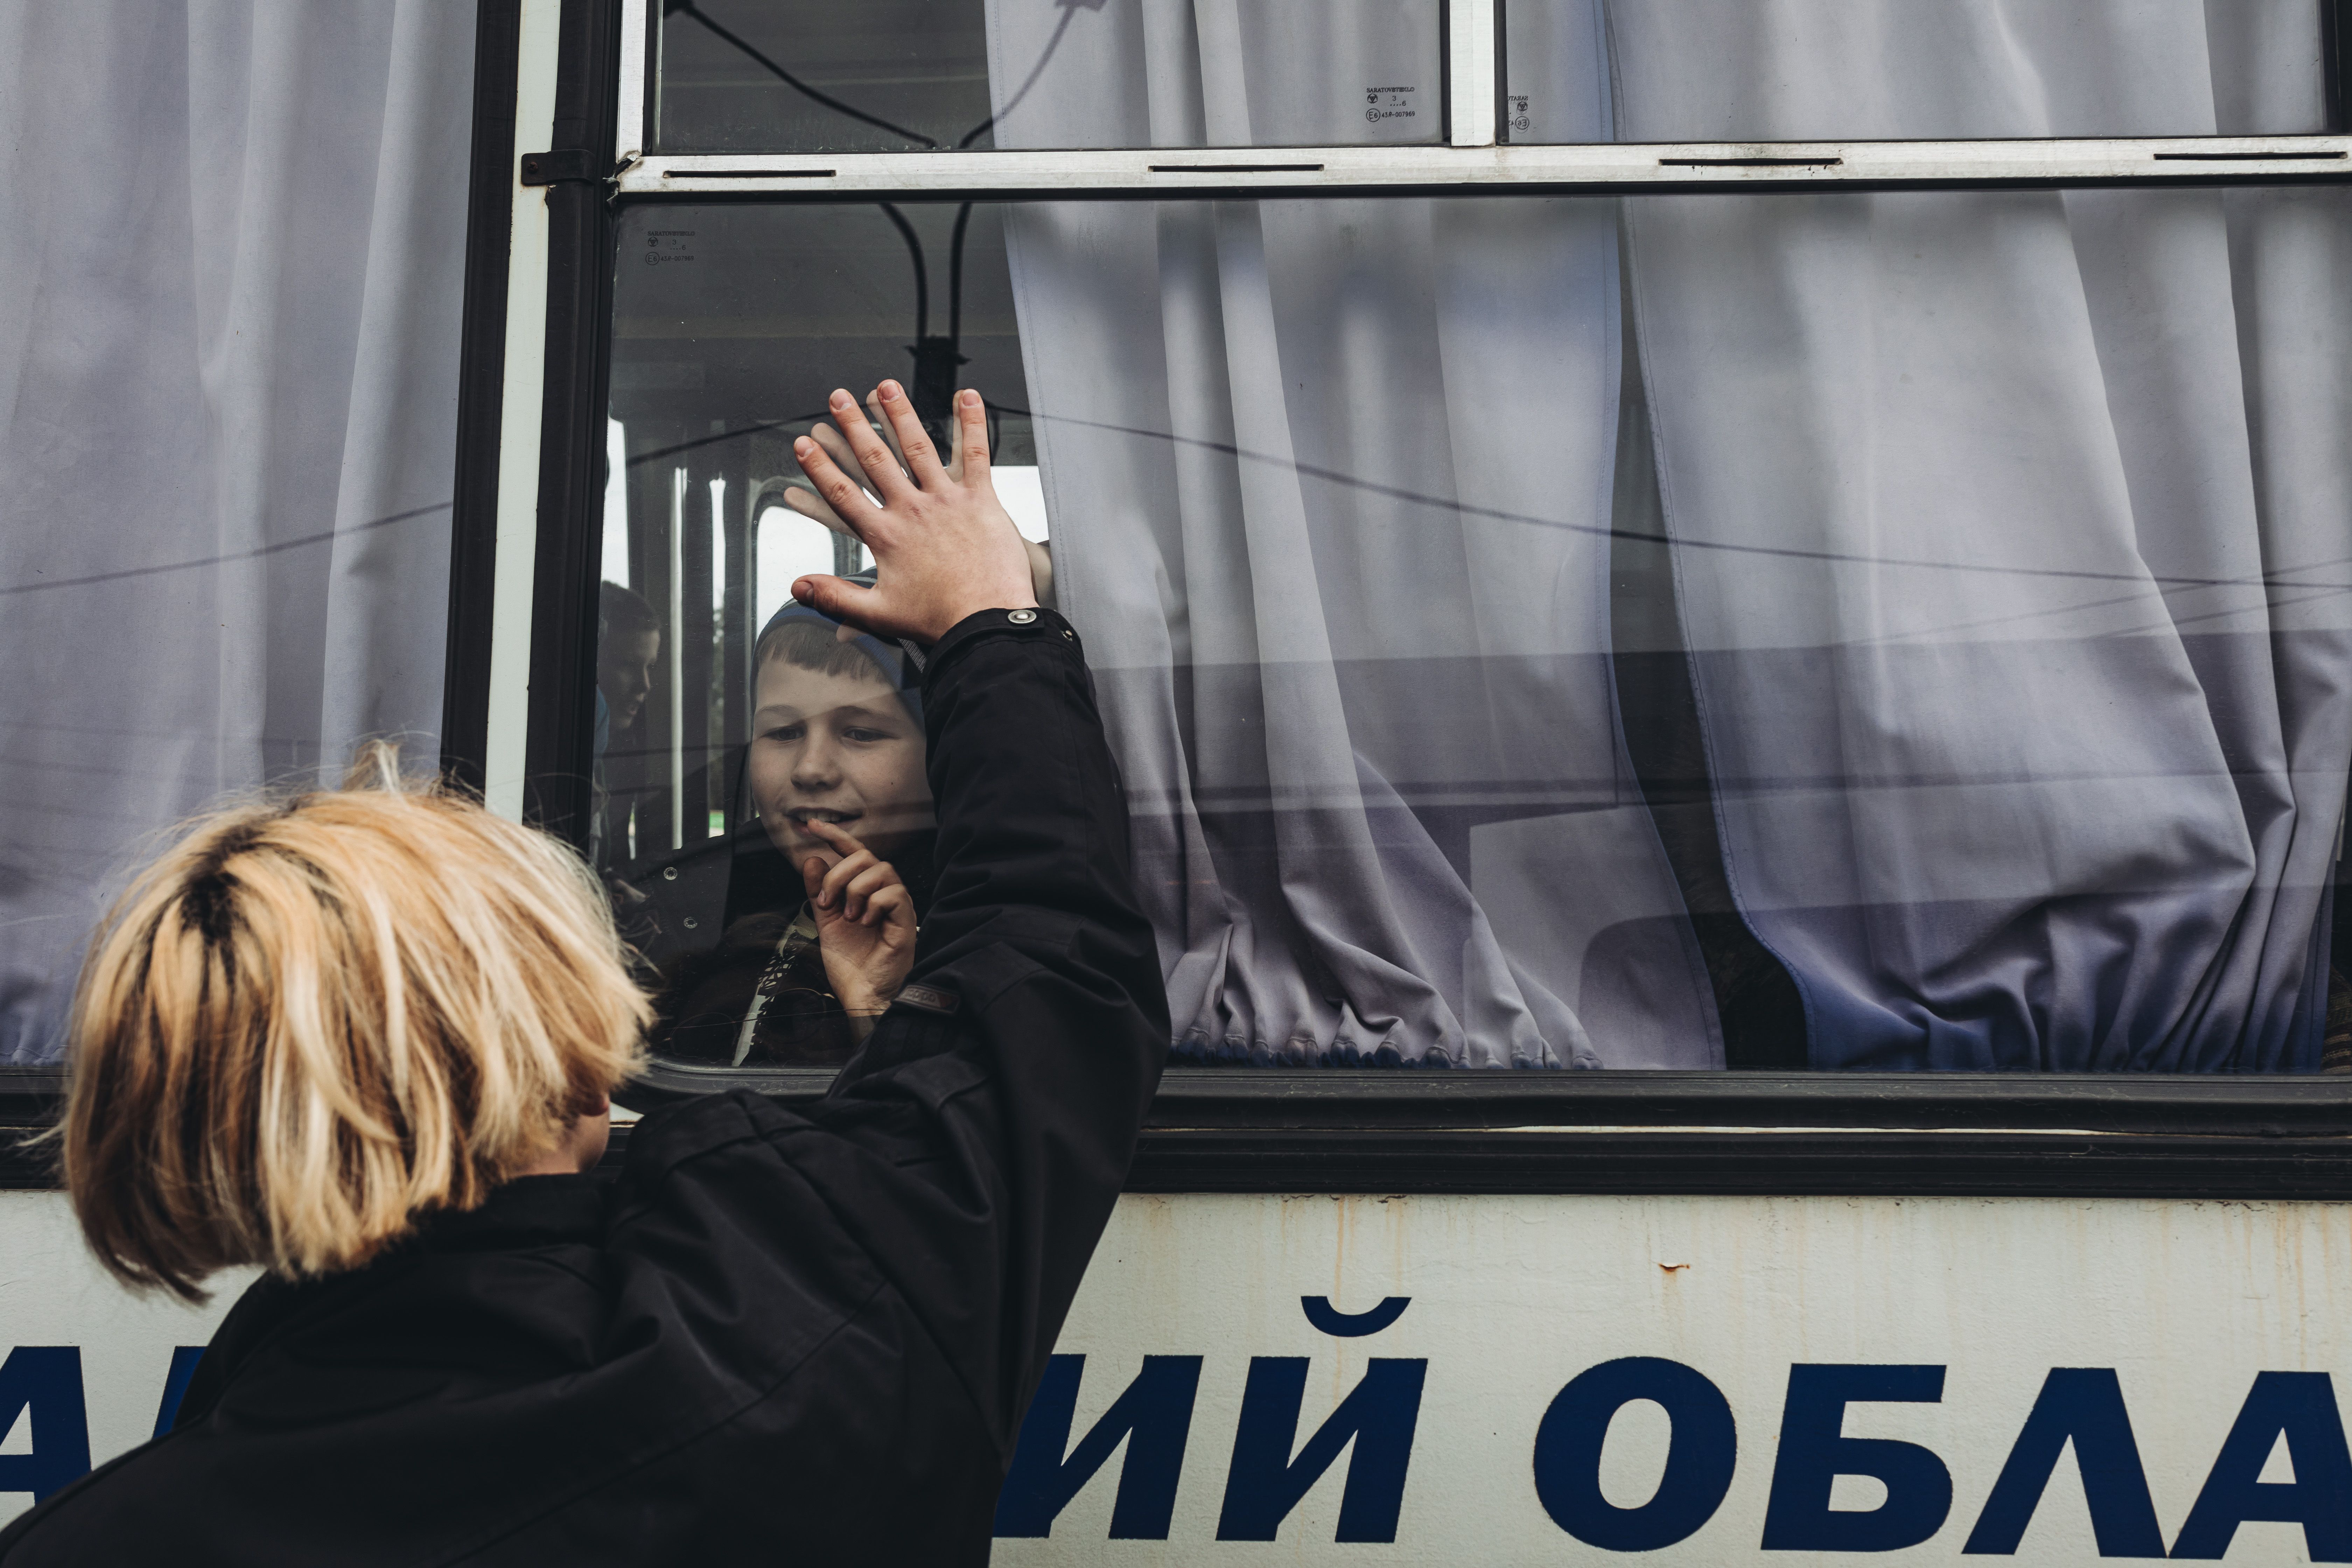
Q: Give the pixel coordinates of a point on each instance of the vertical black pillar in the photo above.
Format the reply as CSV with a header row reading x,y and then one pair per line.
x,y
556,754
2335,37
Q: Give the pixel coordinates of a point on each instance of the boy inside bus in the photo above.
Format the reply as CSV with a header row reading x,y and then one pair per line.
x,y
628,641
835,772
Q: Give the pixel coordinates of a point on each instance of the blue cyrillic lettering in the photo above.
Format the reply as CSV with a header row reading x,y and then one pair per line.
x,y
1264,1483
1814,1453
48,1379
2302,1407
176,1385
1327,1318
2086,1404
1154,1416
1700,1457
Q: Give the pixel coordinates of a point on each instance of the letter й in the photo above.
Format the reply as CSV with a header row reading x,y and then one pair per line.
x,y
1264,1483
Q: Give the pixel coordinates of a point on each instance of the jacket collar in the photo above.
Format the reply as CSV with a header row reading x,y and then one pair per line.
x,y
530,1211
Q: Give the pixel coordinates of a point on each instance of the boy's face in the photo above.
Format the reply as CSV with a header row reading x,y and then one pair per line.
x,y
839,747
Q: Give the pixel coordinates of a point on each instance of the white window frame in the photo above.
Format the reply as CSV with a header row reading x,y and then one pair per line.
x,y
1470,161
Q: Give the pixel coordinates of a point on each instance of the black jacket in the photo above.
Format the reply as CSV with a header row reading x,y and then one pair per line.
x,y
779,1337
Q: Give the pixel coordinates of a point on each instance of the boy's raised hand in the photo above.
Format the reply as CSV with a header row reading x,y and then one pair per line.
x,y
943,546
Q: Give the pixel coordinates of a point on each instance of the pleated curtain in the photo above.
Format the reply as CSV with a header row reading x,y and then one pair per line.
x,y
234,245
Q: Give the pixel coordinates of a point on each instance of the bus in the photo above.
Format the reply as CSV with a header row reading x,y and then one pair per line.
x,y
1725,630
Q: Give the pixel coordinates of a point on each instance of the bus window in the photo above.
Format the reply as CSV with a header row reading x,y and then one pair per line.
x,y
1542,634
1716,70
1841,630
908,76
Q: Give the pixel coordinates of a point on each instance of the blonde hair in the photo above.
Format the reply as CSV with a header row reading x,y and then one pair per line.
x,y
318,1017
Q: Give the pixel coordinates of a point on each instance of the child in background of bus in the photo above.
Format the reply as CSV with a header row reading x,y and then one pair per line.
x,y
628,640
836,772
365,1040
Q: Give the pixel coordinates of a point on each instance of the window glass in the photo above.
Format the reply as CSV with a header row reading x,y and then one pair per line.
x,y
1745,70
888,75
1860,632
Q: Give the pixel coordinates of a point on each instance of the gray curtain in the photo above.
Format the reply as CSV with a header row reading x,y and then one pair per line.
x,y
235,252
2009,537
2011,528
1331,486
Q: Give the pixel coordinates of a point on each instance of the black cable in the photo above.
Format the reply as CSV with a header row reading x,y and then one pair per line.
x,y
796,84
955,277
922,279
923,350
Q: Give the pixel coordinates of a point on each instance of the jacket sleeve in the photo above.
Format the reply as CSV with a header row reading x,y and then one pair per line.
x,y
974,1147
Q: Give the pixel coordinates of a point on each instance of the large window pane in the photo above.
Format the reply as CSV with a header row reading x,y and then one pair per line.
x,y
1872,631
893,76
1749,71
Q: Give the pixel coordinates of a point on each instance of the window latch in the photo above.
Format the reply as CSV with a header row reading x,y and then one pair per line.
x,y
561,166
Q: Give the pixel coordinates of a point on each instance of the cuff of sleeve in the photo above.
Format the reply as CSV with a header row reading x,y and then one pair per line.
x,y
1037,624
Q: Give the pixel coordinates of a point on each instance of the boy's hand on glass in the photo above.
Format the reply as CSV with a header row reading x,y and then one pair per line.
x,y
865,921
943,546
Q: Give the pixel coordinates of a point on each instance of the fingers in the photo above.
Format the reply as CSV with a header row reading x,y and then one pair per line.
x,y
893,905
874,455
882,423
810,505
838,883
843,842
852,604
850,884
855,877
839,491
812,871
913,441
858,892
836,446
871,610
972,435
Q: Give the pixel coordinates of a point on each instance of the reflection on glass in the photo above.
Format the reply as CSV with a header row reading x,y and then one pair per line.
x,y
1894,631
789,546
940,75
628,646
884,76
756,716
1743,70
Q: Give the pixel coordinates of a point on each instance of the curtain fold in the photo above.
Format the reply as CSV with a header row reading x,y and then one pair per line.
x,y
1331,484
2009,531
236,236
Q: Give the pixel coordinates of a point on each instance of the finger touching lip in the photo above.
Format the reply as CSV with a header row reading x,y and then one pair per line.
x,y
831,827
